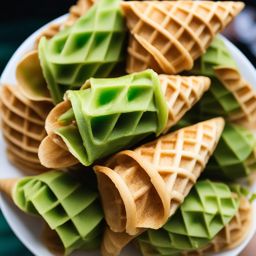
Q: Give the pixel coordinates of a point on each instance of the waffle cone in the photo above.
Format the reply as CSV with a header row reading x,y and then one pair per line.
x,y
113,242
52,241
243,92
232,234
26,167
52,154
51,122
22,153
8,185
168,36
22,127
181,93
30,78
143,187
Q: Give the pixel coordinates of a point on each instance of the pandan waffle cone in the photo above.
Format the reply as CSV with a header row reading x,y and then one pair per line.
x,y
243,92
23,127
118,113
232,234
226,220
168,36
71,210
234,156
92,47
230,95
142,188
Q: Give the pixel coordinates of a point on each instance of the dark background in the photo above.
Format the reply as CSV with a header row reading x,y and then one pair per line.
x,y
20,18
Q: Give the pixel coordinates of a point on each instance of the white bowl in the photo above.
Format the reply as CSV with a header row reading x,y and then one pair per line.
x,y
27,228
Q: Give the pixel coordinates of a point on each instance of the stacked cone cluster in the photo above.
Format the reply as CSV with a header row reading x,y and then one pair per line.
x,y
23,129
119,109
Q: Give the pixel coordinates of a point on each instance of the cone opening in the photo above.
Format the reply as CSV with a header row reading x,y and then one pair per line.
x,y
114,208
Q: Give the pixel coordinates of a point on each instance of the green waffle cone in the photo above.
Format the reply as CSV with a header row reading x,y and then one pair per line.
x,y
112,114
218,101
92,47
67,206
216,55
204,213
234,156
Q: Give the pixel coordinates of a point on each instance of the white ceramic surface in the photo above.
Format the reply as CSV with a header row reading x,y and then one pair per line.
x,y
27,228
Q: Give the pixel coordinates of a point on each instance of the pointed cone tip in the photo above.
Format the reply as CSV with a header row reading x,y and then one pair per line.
x,y
207,80
7,186
239,6
220,123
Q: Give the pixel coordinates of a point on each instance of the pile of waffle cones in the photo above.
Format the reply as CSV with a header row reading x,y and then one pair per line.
x,y
110,165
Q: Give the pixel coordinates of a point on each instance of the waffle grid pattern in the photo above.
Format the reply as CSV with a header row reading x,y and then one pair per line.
x,y
232,234
230,95
181,93
169,36
65,204
243,93
22,127
234,156
161,172
116,112
93,47
124,120
211,204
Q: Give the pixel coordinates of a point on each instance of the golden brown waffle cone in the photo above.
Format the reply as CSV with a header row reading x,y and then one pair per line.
x,y
53,152
31,79
142,188
75,12
113,242
21,115
52,241
23,127
25,166
18,138
22,153
8,185
51,122
232,234
168,36
243,92
181,93
15,100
